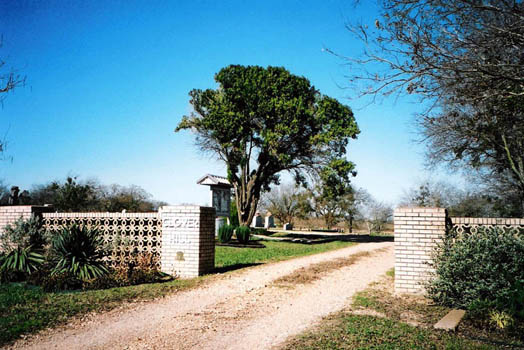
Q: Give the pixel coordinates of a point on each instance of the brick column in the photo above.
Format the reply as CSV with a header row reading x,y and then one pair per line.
x,y
10,214
188,240
417,230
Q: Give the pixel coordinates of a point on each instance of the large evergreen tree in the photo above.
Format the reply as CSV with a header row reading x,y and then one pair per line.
x,y
263,121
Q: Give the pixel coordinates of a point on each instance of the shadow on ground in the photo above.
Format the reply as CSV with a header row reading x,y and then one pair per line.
x,y
233,267
316,239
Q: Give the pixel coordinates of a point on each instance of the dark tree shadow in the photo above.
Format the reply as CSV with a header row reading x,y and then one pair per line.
x,y
232,267
343,238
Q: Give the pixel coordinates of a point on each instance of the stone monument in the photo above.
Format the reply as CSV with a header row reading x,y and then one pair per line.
x,y
13,197
257,221
269,222
220,193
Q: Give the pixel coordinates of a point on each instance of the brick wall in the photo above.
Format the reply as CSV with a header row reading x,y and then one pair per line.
x,y
188,240
416,232
9,214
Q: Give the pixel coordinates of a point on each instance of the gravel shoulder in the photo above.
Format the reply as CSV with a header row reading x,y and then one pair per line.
x,y
242,310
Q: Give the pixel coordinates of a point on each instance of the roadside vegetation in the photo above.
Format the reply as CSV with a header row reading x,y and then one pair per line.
x,y
379,320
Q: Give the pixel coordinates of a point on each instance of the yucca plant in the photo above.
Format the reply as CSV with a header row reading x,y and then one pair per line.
x,y
21,259
22,244
78,250
243,233
225,232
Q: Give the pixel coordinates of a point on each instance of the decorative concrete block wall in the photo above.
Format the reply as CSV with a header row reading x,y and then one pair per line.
x,y
182,236
128,235
188,240
417,230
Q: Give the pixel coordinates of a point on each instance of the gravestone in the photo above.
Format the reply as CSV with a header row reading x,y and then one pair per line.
x,y
269,222
287,226
257,221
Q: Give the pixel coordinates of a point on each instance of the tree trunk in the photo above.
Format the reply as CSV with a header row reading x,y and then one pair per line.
x,y
246,205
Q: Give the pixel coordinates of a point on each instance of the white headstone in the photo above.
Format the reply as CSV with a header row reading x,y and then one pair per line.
x,y
288,226
269,222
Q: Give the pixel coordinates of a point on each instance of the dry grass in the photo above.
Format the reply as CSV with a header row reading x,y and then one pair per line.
x,y
315,272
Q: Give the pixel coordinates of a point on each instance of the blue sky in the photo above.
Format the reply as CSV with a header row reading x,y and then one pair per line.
x,y
107,83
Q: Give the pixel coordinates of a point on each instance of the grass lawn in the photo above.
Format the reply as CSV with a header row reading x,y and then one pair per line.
x,y
347,331
26,309
275,251
378,320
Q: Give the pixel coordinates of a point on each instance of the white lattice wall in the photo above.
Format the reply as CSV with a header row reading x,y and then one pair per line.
x,y
125,234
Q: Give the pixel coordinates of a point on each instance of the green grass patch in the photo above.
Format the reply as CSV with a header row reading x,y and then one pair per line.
x,y
391,273
367,300
27,309
346,331
274,251
396,330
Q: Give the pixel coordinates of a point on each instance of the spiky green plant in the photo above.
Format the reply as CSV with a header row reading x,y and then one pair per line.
x,y
21,259
243,233
79,251
22,245
225,232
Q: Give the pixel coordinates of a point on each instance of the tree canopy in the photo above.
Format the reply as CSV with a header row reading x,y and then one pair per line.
x,y
263,121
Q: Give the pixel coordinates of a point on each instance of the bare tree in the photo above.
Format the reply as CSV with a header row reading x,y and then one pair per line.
x,y
466,59
437,47
376,214
9,78
285,202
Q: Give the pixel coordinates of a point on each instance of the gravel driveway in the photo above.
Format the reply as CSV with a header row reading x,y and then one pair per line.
x,y
242,310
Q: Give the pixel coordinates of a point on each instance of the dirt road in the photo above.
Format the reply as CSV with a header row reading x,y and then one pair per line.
x,y
243,310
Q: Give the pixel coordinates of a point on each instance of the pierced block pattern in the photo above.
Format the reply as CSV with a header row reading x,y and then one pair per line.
x,y
462,225
127,235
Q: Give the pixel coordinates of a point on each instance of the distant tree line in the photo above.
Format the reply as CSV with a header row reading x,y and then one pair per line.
x,y
488,198
72,195
340,205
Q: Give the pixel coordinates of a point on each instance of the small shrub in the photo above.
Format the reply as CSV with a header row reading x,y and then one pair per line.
x,y
147,261
501,319
243,233
480,271
60,281
144,269
24,260
24,233
261,231
225,232
78,250
22,244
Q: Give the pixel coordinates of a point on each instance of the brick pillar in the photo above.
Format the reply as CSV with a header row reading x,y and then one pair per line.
x,y
188,240
417,230
10,214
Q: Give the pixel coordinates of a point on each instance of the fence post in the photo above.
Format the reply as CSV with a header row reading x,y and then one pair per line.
x,y
417,231
188,240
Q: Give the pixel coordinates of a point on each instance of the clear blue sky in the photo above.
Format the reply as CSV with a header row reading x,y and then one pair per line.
x,y
108,81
